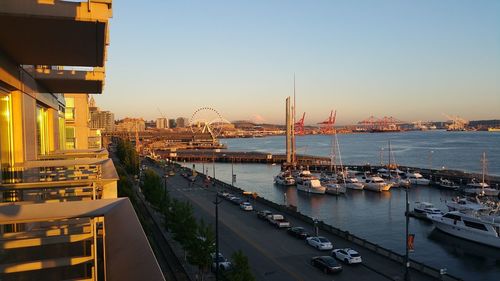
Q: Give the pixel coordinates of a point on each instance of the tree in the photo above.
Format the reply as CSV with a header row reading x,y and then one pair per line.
x,y
241,269
181,222
199,249
128,156
153,189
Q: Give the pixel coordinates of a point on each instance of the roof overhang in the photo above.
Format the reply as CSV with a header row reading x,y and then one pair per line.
x,y
71,81
55,32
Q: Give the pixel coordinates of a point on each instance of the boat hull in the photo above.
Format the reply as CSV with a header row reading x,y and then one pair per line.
x,y
377,187
313,190
465,233
355,186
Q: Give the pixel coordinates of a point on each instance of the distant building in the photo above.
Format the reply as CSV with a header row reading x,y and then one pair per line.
x,y
161,123
130,125
182,122
171,123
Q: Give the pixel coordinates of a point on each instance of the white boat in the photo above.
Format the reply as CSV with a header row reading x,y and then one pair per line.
x,y
417,178
480,229
465,206
399,182
376,184
481,188
335,188
353,183
445,183
424,209
311,186
284,178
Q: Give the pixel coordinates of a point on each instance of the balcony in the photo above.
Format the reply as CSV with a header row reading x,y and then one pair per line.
x,y
94,240
60,180
69,80
55,32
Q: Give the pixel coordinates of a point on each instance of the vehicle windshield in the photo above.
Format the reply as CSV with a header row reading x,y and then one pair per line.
x,y
330,261
323,240
355,255
299,229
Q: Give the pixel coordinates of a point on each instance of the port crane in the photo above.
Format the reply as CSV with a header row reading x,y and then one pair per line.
x,y
387,123
457,123
326,127
299,125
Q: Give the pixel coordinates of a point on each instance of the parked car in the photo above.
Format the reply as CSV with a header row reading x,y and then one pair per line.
x,y
326,263
298,232
246,206
224,264
319,242
262,214
347,255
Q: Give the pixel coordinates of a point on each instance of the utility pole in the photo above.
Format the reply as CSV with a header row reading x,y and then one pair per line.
x,y
407,258
232,171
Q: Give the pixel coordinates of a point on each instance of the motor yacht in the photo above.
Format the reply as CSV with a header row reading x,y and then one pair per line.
x,y
445,183
376,184
335,188
417,178
284,178
354,183
308,183
424,209
480,229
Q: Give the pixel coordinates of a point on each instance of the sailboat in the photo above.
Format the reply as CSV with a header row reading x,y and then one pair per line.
x,y
396,181
481,188
336,188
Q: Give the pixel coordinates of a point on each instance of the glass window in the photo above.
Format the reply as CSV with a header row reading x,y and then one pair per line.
x,y
70,138
42,130
70,109
6,142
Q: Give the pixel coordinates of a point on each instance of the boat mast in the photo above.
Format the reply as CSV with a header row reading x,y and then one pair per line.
x,y
483,162
294,156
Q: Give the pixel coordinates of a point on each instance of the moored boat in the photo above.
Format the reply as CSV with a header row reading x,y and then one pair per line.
x,y
311,186
424,209
480,229
284,178
376,184
353,183
335,188
445,183
417,179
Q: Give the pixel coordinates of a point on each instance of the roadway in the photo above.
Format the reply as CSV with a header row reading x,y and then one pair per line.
x,y
272,253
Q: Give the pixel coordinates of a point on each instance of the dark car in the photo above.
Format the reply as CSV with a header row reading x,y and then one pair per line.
x,y
298,231
263,214
326,263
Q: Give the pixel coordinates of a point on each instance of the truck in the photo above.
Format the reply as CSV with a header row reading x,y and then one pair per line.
x,y
278,220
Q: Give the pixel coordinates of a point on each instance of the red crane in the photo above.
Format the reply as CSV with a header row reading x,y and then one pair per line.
x,y
299,125
326,127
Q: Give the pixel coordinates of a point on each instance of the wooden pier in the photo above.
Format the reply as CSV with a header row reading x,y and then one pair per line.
x,y
237,157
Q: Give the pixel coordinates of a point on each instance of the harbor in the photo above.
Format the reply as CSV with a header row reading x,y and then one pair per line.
x,y
385,224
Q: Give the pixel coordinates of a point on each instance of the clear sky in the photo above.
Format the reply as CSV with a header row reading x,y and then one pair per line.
x,y
413,60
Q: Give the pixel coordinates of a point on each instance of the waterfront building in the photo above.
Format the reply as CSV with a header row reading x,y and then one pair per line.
x,y
60,218
130,125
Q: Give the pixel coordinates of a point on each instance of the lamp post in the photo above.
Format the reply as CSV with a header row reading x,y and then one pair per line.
x,y
430,159
217,202
407,258
165,187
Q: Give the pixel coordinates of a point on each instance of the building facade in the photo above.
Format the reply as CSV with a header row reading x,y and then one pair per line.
x,y
131,125
60,218
161,123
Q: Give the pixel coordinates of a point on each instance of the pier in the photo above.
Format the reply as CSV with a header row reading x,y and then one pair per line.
x,y
208,156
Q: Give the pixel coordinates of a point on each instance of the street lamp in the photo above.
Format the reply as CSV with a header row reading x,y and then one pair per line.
x,y
165,177
407,257
217,202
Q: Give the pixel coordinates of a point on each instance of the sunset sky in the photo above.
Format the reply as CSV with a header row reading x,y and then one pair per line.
x,y
413,60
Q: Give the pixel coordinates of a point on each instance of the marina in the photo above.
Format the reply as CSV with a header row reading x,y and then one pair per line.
x,y
385,223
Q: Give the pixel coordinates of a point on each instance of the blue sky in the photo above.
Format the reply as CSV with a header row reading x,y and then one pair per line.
x,y
413,60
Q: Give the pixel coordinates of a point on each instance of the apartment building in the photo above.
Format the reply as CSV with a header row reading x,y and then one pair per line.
x,y
60,218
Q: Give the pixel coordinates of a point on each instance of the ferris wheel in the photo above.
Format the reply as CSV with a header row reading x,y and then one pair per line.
x,y
207,120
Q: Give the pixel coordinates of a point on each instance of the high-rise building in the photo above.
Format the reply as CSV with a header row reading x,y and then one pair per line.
x,y
171,123
182,122
60,218
130,125
161,123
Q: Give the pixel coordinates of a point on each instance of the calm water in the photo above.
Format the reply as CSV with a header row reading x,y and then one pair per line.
x,y
379,217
